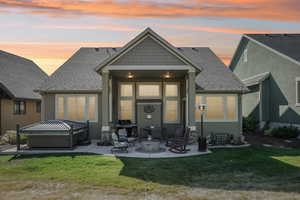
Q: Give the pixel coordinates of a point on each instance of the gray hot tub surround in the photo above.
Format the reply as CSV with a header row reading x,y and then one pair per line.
x,y
56,133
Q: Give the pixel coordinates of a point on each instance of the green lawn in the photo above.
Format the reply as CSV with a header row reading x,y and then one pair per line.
x,y
262,173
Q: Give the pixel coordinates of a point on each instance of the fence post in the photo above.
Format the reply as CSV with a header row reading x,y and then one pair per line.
x,y
18,137
71,137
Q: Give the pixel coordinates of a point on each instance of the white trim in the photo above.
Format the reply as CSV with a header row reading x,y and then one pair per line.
x,y
224,96
170,98
147,67
65,96
245,55
148,83
110,99
297,94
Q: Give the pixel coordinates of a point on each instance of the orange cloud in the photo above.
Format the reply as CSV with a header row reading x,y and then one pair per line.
x,y
218,30
92,27
281,10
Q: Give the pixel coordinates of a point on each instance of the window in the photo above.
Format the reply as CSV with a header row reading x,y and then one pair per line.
x,y
219,107
149,90
126,101
245,55
76,107
298,91
171,100
38,107
19,107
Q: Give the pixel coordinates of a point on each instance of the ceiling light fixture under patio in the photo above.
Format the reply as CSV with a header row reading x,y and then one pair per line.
x,y
130,75
167,75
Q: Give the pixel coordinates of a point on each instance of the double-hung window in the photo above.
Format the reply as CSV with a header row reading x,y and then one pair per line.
x,y
19,107
298,91
78,107
126,101
219,107
171,102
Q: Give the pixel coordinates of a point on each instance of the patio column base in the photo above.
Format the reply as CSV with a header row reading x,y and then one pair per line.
x,y
105,135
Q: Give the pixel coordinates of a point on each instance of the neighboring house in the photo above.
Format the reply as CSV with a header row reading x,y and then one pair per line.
x,y
148,81
19,104
269,64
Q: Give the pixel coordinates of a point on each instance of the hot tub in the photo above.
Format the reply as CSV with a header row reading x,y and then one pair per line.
x,y
56,134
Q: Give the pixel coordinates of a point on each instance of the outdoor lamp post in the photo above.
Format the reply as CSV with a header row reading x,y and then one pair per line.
x,y
202,144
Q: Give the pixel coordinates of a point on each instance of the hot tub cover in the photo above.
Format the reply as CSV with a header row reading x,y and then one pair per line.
x,y
53,126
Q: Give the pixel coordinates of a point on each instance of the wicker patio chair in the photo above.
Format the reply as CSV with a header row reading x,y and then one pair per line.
x,y
121,147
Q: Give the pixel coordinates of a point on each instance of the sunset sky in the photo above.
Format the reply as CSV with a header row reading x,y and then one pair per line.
x,y
50,31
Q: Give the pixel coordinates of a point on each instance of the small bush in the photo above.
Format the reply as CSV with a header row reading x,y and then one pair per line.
x,y
10,137
250,124
284,132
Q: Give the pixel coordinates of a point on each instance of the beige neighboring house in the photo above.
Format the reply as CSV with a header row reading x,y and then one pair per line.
x,y
19,104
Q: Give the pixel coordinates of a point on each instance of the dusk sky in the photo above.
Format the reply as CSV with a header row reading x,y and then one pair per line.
x,y
50,31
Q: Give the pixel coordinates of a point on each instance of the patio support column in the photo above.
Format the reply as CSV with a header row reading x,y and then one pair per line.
x,y
191,105
105,130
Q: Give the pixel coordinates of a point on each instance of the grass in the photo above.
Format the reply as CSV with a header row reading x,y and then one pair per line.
x,y
248,173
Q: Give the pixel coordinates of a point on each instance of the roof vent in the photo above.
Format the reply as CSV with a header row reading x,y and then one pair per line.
x,y
195,49
179,49
114,49
96,49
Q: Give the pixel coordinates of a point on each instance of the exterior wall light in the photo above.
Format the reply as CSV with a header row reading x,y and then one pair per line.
x,y
130,75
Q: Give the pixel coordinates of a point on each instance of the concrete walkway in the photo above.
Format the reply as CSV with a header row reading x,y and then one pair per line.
x,y
105,150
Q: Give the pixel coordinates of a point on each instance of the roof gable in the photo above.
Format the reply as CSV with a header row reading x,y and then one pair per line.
x,y
154,39
19,76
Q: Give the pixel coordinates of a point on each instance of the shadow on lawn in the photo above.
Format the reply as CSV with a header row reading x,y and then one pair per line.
x,y
255,168
243,169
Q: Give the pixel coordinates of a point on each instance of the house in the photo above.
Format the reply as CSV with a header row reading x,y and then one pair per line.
x,y
147,81
269,64
19,104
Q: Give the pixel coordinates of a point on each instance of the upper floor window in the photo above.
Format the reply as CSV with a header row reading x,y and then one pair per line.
x,y
76,107
298,91
19,107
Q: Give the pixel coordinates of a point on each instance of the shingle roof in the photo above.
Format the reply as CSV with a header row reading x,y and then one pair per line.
x,y
287,44
254,80
78,73
215,76
20,76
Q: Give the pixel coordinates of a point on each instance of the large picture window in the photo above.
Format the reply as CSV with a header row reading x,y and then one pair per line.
x,y
76,107
219,107
126,101
172,102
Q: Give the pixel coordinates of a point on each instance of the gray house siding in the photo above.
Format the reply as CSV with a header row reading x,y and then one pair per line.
x,y
148,52
279,92
48,113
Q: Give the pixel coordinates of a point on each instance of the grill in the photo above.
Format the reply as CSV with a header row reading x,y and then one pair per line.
x,y
56,134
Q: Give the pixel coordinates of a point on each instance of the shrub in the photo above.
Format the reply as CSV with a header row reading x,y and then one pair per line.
x,y
10,137
284,132
250,124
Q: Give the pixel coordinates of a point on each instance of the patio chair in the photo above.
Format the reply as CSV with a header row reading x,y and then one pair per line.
x,y
179,145
121,147
179,134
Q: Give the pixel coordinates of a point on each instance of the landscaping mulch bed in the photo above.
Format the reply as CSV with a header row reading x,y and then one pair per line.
x,y
259,139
